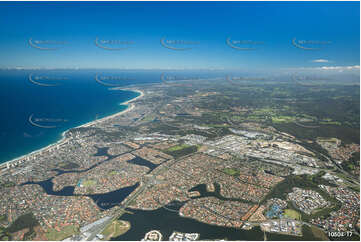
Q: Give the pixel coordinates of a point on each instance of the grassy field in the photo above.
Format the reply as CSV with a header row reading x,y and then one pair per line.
x,y
323,139
89,183
112,173
24,221
231,172
115,229
181,150
330,122
318,233
66,232
150,117
178,147
283,119
290,213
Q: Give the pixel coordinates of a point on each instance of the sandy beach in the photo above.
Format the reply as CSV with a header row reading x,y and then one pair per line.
x,y
131,106
63,139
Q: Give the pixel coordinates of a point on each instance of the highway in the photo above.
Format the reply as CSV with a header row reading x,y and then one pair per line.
x,y
143,185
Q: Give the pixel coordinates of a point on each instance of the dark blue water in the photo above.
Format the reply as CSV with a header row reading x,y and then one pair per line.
x,y
168,221
73,99
57,100
104,200
142,162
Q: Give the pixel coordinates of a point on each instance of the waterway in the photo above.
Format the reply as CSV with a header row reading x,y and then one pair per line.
x,y
142,162
167,222
105,200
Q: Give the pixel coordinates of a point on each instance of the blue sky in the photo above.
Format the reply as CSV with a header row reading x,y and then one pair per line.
x,y
268,28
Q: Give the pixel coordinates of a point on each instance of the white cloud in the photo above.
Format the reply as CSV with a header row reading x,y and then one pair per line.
x,y
338,68
327,68
320,61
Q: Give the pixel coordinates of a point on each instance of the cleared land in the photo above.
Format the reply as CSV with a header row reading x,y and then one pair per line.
x,y
115,229
290,213
318,233
64,233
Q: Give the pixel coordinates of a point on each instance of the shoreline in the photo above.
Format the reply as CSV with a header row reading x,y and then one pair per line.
x,y
20,159
129,108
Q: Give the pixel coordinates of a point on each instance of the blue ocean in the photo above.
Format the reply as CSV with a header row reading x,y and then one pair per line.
x,y
37,106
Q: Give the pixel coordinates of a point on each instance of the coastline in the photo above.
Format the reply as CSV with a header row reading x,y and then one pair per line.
x,y
130,107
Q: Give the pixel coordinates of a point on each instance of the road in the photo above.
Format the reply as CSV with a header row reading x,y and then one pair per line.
x,y
143,185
